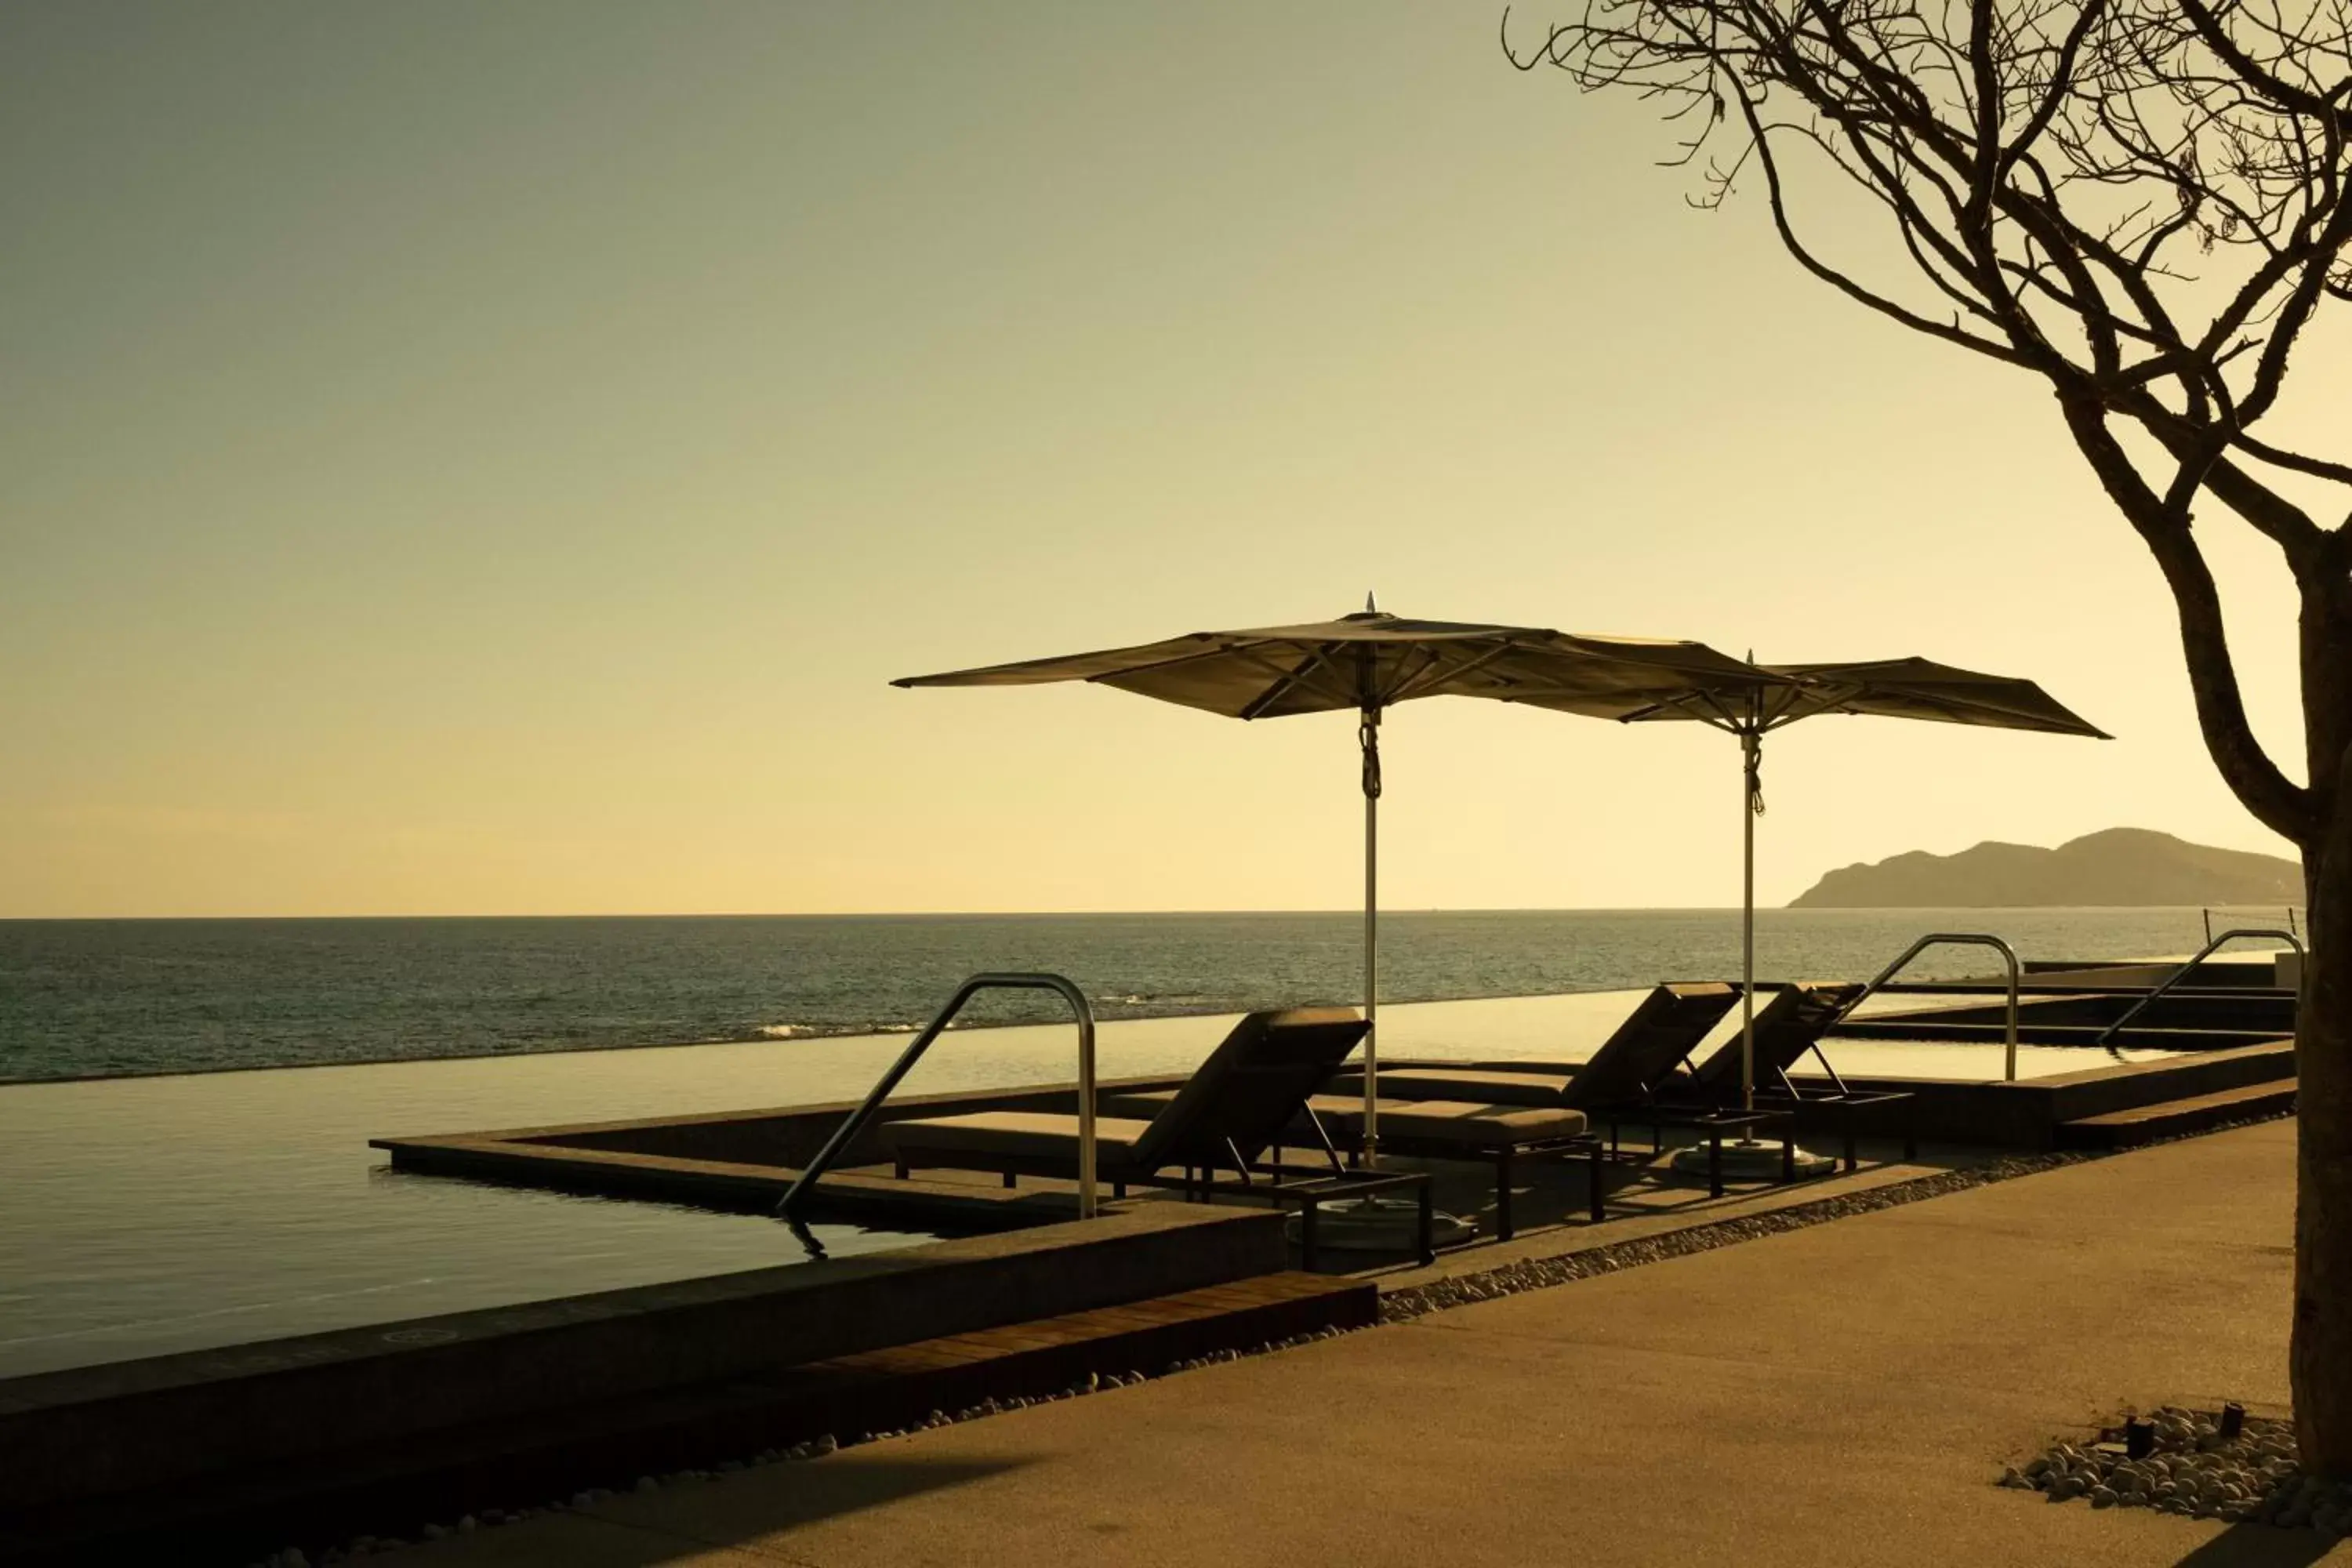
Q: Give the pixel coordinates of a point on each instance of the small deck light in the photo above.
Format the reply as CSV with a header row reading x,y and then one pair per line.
x,y
2234,1421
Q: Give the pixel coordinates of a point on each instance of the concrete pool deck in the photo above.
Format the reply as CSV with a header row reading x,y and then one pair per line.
x,y
1843,1393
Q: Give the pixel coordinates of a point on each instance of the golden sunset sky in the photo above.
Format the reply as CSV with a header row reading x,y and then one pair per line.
x,y
491,459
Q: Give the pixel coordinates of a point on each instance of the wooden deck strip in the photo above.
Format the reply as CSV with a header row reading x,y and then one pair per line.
x,y
2227,1098
2140,1124
1203,1306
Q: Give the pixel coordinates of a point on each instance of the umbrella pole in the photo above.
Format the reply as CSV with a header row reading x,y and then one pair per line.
x,y
1368,736
1381,1222
1749,1156
1751,748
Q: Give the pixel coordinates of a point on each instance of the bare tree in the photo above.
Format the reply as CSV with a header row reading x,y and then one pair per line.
x,y
2142,203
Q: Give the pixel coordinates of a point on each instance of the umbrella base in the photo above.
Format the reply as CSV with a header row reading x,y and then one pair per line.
x,y
1753,1160
1380,1225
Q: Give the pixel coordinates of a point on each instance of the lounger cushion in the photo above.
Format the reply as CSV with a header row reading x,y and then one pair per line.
x,y
1021,1133
1477,1126
1137,1104
1475,1085
1471,1125
1340,1113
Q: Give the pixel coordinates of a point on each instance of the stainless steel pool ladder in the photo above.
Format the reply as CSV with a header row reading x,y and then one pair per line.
x,y
2186,970
855,1123
1961,939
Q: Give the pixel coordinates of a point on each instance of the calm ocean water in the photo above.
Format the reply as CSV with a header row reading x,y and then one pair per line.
x,y
81,998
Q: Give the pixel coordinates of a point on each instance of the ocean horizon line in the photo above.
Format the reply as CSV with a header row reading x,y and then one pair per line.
x,y
1351,912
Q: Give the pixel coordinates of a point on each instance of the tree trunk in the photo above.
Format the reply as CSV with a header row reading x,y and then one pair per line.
x,y
2320,1362
2320,1359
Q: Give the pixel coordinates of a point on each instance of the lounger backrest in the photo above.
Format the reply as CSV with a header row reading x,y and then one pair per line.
x,y
1252,1086
1639,1059
1720,1072
1786,1028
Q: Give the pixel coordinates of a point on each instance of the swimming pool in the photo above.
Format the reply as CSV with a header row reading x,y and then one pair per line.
x,y
146,1215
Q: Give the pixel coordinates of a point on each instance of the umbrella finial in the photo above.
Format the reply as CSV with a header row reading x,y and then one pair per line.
x,y
1370,608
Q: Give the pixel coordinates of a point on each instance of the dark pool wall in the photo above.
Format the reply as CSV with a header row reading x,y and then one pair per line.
x,y
69,1437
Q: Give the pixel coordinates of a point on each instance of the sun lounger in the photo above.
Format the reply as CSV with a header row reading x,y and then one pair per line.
x,y
1633,1077
1788,1028
1499,1134
1637,1061
1435,1130
1235,1107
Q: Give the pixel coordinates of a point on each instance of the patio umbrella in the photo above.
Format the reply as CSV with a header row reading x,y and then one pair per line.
x,y
1370,661
1892,688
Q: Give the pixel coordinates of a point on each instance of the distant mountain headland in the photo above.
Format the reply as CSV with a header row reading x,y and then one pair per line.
x,y
2120,866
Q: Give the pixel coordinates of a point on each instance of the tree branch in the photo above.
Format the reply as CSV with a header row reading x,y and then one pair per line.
x,y
2277,803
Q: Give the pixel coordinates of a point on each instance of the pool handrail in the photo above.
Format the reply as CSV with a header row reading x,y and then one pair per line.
x,y
1962,939
856,1121
2186,970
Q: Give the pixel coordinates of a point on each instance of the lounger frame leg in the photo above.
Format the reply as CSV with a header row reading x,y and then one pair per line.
x,y
1323,1136
1428,1221
1502,1231
1715,1161
902,1170
1011,1181
1598,1198
1853,1156
1306,1234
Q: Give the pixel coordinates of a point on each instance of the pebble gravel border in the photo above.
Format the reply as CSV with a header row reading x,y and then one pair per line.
x,y
2192,1467
1402,1306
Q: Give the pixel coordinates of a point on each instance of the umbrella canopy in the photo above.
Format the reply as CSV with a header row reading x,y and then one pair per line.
x,y
1370,661
1885,688
1888,688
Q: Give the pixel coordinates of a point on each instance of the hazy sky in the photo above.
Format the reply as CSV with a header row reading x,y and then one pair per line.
x,y
461,458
